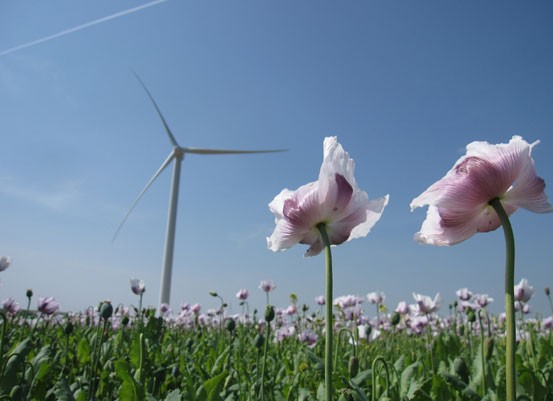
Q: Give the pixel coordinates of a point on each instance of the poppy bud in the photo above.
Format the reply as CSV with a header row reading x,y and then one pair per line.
x,y
68,328
353,366
259,341
125,321
29,293
547,291
471,316
106,310
230,325
368,330
213,294
395,319
269,313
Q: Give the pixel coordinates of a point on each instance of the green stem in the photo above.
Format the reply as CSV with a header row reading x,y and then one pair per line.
x,y
509,298
373,371
328,321
483,354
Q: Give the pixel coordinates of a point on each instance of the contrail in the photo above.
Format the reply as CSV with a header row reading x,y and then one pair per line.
x,y
83,26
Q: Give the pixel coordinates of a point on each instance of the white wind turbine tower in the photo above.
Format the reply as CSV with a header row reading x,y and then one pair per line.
x,y
176,155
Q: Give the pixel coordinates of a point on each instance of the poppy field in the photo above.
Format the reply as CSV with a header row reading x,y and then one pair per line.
x,y
345,350
412,352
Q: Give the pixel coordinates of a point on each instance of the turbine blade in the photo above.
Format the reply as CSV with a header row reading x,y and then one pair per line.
x,y
158,172
201,151
167,129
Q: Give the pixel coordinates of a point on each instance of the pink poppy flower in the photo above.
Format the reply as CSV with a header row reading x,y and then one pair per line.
x,y
334,200
459,202
376,297
242,294
426,305
267,286
523,291
138,286
47,305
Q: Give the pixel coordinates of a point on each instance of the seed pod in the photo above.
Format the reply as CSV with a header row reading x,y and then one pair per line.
x,y
471,316
395,319
106,310
269,313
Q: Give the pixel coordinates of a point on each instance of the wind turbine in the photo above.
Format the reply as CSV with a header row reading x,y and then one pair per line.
x,y
176,155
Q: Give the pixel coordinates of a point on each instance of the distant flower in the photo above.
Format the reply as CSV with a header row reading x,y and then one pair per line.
x,y
5,262
459,202
291,310
138,286
320,300
348,301
334,200
483,300
308,337
164,309
10,306
464,294
402,308
465,306
427,305
523,291
242,294
47,305
376,297
547,323
284,332
267,286
196,308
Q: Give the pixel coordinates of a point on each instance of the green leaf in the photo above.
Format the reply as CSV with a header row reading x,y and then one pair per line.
x,y
83,352
406,378
130,390
14,365
62,391
174,396
211,388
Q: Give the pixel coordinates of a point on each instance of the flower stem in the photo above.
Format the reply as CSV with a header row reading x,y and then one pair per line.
x,y
328,320
509,298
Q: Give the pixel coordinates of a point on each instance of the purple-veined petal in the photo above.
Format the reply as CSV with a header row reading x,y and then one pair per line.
x,y
528,189
459,202
333,200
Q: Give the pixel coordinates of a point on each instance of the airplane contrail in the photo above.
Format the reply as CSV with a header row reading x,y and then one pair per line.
x,y
79,27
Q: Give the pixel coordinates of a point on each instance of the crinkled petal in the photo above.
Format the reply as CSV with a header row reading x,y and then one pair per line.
x,y
361,217
459,202
445,227
528,190
333,200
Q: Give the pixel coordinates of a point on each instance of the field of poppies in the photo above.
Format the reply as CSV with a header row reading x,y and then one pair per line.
x,y
412,352
344,350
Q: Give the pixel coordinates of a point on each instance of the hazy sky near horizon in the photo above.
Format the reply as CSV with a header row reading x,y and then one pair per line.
x,y
405,85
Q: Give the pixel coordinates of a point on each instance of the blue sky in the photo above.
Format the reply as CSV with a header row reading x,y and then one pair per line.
x,y
404,85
